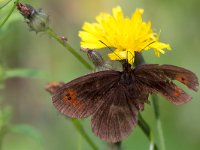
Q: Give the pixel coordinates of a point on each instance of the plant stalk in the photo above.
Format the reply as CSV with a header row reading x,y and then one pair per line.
x,y
158,121
5,4
81,130
9,14
75,122
147,131
51,33
139,60
114,146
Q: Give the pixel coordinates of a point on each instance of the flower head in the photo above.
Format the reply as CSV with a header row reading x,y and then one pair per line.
x,y
126,35
37,20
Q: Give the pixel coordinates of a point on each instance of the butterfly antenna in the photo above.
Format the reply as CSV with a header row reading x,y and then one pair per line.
x,y
146,46
110,49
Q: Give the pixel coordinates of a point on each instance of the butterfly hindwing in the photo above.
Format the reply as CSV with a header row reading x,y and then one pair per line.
x,y
81,97
116,117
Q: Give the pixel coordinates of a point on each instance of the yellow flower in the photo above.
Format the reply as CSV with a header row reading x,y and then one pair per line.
x,y
126,35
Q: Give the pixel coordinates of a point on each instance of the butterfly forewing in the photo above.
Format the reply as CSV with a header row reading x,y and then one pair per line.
x,y
158,79
182,75
116,117
82,97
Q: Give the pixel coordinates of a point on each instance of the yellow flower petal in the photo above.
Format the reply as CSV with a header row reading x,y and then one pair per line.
x,y
126,35
121,55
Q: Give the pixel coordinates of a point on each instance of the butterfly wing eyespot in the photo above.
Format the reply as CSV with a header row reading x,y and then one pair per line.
x,y
80,98
173,93
70,96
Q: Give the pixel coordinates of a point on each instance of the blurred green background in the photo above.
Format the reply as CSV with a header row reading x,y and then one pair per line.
x,y
179,22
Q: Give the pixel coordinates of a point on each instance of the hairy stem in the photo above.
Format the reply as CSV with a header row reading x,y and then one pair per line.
x,y
158,121
51,33
81,130
9,14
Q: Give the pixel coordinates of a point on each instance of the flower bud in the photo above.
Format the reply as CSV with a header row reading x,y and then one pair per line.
x,y
95,57
37,20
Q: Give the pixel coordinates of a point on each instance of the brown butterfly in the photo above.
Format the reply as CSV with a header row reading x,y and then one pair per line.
x,y
113,98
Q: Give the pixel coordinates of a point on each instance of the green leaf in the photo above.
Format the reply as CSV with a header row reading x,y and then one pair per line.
x,y
28,131
24,73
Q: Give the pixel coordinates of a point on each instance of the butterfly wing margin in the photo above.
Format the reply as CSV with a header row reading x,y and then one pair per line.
x,y
158,79
115,119
81,97
182,75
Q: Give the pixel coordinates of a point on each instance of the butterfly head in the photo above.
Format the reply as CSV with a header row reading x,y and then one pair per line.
x,y
126,66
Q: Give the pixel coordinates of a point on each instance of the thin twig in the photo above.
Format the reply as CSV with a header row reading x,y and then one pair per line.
x,y
50,32
9,14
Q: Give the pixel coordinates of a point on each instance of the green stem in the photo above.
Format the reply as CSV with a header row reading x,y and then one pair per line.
x,y
158,121
69,48
79,127
9,14
79,142
139,60
75,122
147,131
115,146
5,4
